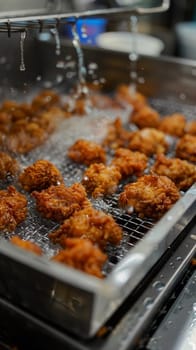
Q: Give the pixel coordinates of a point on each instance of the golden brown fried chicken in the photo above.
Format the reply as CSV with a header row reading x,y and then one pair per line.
x,y
98,227
8,165
129,162
186,148
181,172
59,202
13,208
151,196
39,176
82,255
27,245
116,136
173,124
45,100
191,128
24,136
149,141
86,152
145,117
100,180
136,99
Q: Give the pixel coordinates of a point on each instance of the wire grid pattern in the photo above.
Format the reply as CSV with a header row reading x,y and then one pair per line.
x,y
36,228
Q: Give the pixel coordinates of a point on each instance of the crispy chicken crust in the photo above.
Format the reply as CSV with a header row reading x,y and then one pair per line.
x,y
116,136
27,245
59,202
145,117
86,152
40,175
191,128
149,141
182,173
82,255
129,162
151,196
136,99
186,148
98,227
173,124
100,180
8,165
13,208
45,100
26,126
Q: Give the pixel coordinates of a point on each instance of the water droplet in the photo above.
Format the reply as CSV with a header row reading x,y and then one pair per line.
x,y
55,33
148,302
59,78
179,258
60,65
39,78
158,285
22,39
141,80
169,322
93,66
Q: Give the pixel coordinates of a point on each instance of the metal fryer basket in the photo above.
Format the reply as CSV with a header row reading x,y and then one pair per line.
x,y
69,298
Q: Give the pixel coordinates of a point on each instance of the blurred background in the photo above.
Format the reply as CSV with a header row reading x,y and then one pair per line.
x,y
176,28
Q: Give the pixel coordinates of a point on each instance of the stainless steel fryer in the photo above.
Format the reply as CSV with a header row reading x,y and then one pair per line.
x,y
66,297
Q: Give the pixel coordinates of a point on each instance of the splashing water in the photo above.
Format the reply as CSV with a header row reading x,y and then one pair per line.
x,y
22,39
133,56
55,33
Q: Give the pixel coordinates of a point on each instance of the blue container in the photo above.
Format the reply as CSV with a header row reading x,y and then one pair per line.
x,y
88,29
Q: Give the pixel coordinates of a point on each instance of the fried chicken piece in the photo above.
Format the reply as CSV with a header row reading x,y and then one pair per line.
x,y
8,165
129,162
173,124
25,136
181,172
191,128
82,255
39,176
145,117
149,141
27,245
45,100
13,208
98,227
151,196
186,148
116,136
59,202
100,180
136,99
86,152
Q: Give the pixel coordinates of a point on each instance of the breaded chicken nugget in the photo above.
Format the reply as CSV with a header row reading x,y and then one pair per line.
x,y
149,141
181,172
125,93
86,152
59,202
186,148
100,180
8,165
117,136
40,175
82,255
145,117
13,208
98,227
191,128
151,196
129,162
173,124
27,245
